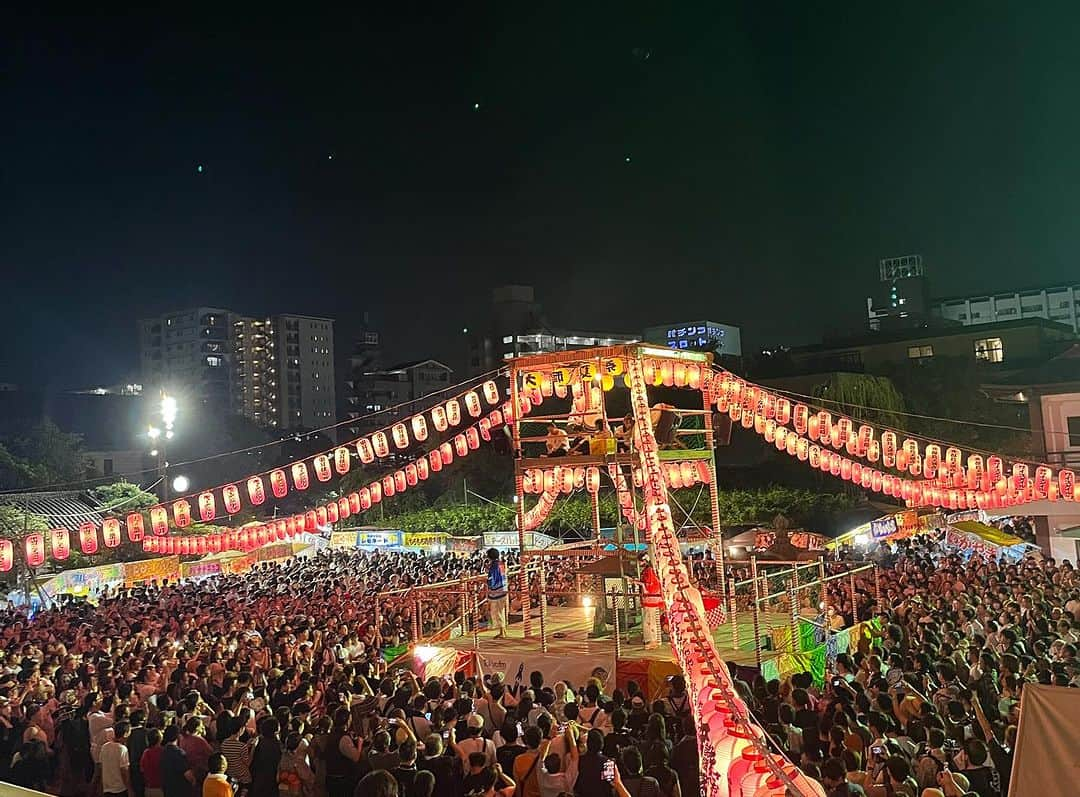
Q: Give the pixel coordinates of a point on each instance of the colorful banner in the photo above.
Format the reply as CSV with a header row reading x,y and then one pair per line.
x,y
200,569
378,539
426,539
162,569
85,579
272,553
465,545
343,539
883,527
238,564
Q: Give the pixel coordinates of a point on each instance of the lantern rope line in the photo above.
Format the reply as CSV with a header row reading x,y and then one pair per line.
x,y
497,372
96,509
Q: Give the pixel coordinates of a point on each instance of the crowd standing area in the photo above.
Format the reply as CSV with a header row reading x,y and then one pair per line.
x,y
272,684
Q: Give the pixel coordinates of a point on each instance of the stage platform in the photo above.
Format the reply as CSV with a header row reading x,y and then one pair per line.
x,y
574,656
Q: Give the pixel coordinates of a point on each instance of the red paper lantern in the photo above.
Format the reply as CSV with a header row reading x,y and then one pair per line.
x,y
35,548
888,449
472,404
300,476
364,449
496,418
435,460
322,516
438,418
592,479
461,445
311,520
419,427
380,444
388,486
453,412
134,523
1020,475
995,469
491,392
411,477
255,490
343,508
1043,476
342,460
244,539
401,484
262,536
7,555
375,488
110,532
181,513
150,544
400,435
200,545
159,520
422,469
61,543
207,506
1066,484
354,502
279,484
472,438
87,538
484,427
230,496
321,463
363,497
446,451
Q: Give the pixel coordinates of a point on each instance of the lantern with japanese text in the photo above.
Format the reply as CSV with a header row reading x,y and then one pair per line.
x,y
1020,475
35,548
322,517
134,523
435,461
380,444
472,404
472,438
974,470
400,434
446,451
354,502
262,536
496,418
931,460
279,485
110,532
207,506
419,427
343,507
388,486
7,555
230,496
323,471
365,451
461,445
60,541
300,478
365,498
423,471
411,477
255,490
1067,484
491,392
484,427
401,484
332,515
438,418
159,520
87,538
181,513
311,520
592,479
453,412
888,449
1043,477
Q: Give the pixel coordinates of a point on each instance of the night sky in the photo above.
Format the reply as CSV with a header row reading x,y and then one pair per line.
x,y
776,152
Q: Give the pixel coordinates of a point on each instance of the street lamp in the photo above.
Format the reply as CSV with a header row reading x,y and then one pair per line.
x,y
180,484
168,409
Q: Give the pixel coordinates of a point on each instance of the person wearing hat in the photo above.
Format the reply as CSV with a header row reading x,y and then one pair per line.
x,y
496,589
474,742
652,602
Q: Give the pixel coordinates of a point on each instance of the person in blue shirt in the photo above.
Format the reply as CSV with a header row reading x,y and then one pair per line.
x,y
496,587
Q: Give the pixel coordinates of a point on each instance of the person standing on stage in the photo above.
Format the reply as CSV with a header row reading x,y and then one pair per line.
x,y
496,587
651,604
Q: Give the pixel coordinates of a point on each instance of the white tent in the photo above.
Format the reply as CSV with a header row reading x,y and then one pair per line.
x,y
1047,760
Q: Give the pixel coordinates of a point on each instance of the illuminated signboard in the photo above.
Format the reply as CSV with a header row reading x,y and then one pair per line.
x,y
698,336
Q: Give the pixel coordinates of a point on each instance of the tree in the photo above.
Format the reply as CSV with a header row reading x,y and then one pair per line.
x,y
851,394
42,456
122,495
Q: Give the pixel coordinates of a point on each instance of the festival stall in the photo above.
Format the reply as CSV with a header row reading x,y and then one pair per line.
x,y
972,538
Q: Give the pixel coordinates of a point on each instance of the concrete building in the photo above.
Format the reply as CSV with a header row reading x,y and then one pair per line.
x,y
901,297
188,351
721,339
402,384
1059,303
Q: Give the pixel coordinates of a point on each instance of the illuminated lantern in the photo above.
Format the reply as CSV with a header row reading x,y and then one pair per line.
x,y
1043,475
438,418
1020,475
293,525
411,478
110,532
932,458
207,506
453,412
673,475
200,545
388,488
7,554
244,539
953,459
974,469
262,536
149,545
278,483
159,520
300,475
472,438
648,370
678,374
311,520
423,472
342,460
321,463
461,445
61,543
835,464
814,457
549,481
802,449
380,444
769,429
364,450
834,437
888,449
35,548
435,460
230,495
843,425
592,479
813,427
363,495
491,392
1067,484
472,403
322,517
88,538
400,435
567,480
354,502
689,473
824,426
995,469
801,415
783,411
332,512
532,481
703,474
419,428
496,417
181,513
845,469
135,530
401,484
484,426
255,490
344,509
693,376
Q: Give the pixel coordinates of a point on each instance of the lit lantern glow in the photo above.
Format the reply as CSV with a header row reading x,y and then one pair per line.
x,y
278,483
703,474
332,512
1066,483
473,406
322,517
435,460
472,438
230,496
411,476
344,508
400,483
300,476
364,497
419,428
207,506
87,538
61,543
592,479
400,435
438,418
110,532
7,554
1043,476
453,412
181,513
135,529
801,414
365,451
342,460
491,392
354,502
1020,474
888,449
35,549
311,520
484,425
380,444
461,445
159,520
321,463
255,490
388,488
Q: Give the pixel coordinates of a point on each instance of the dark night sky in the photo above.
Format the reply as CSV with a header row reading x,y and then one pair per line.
x,y
777,151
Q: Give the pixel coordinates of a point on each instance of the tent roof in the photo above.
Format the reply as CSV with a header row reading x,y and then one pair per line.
x,y
987,533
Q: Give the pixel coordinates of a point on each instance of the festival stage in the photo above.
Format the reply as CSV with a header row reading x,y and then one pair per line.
x,y
573,656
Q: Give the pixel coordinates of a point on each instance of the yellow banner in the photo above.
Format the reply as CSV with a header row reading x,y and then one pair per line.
x,y
241,564
425,539
167,567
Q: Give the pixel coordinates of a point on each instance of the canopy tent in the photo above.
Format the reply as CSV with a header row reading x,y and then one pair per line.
x,y
971,537
987,533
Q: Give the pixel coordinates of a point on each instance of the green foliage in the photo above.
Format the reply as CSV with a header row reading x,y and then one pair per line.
x,y
851,393
41,456
14,522
123,496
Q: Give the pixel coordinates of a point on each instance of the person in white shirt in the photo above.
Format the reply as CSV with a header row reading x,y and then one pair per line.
x,y
115,768
474,742
558,776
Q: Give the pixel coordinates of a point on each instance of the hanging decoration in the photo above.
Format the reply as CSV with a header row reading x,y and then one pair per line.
x,y
60,542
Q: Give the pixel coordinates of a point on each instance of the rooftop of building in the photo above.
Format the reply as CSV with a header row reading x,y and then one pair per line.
x,y
1027,291
60,509
408,366
1060,370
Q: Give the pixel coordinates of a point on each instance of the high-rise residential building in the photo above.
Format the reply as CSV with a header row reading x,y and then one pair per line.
x,y
1059,303
397,388
188,351
276,370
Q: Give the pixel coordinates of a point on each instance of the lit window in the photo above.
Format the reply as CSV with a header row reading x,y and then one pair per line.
x,y
989,350
213,362
920,352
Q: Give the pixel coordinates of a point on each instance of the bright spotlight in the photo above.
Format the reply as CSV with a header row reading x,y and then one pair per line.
x,y
180,484
425,653
153,433
168,410
587,602
862,539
